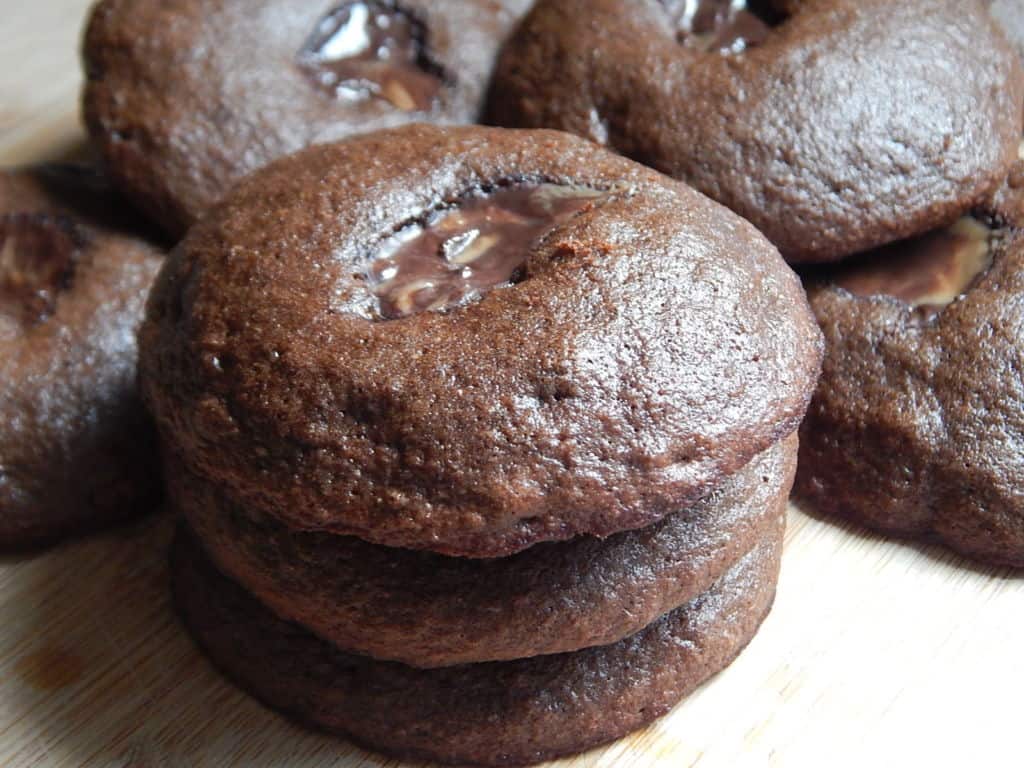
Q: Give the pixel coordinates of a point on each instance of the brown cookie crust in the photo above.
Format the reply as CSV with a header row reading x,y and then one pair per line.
x,y
183,98
501,713
77,449
655,344
843,131
428,610
917,426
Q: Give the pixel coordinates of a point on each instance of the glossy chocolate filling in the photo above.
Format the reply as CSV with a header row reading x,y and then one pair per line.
x,y
459,253
929,271
37,260
721,26
372,50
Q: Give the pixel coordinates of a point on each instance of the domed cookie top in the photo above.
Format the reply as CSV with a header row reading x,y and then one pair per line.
x,y
834,126
77,449
185,98
304,351
917,426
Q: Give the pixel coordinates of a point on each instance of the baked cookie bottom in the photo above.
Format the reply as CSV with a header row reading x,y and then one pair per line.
x,y
500,713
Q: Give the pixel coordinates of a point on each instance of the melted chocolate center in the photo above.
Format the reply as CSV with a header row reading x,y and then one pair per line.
x,y
37,259
460,253
928,271
372,49
721,26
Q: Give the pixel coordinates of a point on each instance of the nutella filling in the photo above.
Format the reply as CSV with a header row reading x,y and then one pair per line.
x,y
459,253
928,271
37,257
372,50
721,26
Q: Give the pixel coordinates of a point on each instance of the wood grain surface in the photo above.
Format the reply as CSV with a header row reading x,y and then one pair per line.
x,y
877,653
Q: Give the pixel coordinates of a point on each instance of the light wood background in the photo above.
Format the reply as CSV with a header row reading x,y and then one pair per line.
x,y
877,653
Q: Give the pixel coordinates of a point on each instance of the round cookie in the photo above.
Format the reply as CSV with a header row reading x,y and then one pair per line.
x,y
77,449
833,126
917,427
428,610
184,98
501,713
383,363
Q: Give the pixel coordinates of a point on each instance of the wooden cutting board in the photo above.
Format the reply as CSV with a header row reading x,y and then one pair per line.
x,y
877,653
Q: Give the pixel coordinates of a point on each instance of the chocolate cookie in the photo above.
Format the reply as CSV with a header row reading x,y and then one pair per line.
x,y
501,713
77,449
834,126
917,427
428,610
183,98
481,340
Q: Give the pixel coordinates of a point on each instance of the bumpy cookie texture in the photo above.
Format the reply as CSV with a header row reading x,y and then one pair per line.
x,y
501,713
183,98
428,610
917,427
77,449
840,131
648,347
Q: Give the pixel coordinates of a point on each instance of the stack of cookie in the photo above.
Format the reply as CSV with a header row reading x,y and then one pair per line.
x,y
484,447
